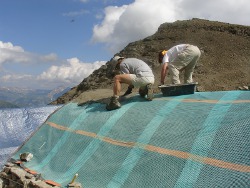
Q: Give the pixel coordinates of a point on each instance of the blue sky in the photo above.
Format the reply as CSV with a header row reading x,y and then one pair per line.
x,y
48,43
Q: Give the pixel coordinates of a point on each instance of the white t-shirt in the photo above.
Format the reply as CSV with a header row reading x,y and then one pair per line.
x,y
173,52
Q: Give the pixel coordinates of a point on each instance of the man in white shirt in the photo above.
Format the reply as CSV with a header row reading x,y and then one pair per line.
x,y
135,73
182,57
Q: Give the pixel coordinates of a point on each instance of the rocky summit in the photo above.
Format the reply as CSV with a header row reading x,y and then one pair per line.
x,y
224,63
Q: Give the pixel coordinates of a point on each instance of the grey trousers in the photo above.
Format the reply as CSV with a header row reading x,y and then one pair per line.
x,y
185,61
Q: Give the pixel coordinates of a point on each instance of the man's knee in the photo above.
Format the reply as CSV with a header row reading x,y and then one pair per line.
x,y
117,78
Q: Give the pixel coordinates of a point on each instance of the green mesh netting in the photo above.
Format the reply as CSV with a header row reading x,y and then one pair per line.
x,y
198,140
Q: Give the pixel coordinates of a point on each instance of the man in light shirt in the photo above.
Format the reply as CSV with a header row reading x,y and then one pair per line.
x,y
135,73
182,57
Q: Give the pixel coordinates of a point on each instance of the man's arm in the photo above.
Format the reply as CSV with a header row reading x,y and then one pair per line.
x,y
164,70
124,69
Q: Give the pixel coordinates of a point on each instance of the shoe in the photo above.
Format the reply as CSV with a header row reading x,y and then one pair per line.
x,y
114,104
143,91
150,93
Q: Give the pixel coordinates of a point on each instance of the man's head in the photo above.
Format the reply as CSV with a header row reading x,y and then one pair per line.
x,y
161,55
116,61
117,58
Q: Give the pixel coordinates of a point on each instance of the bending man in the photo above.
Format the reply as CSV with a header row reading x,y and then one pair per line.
x,y
178,58
135,73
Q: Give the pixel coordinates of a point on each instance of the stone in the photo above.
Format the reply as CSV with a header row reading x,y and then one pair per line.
x,y
39,184
7,170
18,172
9,164
75,185
1,183
26,156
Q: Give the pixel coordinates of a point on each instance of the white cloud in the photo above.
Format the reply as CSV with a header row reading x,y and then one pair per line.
x,y
16,54
229,11
69,74
10,46
52,57
8,52
59,72
104,32
128,23
72,73
142,18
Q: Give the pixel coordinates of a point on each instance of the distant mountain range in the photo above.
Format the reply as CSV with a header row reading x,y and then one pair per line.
x,y
13,97
4,104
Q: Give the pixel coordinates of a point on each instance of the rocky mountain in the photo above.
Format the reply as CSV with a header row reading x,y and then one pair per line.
x,y
57,92
224,63
20,97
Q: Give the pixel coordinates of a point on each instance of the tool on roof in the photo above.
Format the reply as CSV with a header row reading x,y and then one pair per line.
x,y
74,178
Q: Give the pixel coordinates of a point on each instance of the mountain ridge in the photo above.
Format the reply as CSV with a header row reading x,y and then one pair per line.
x,y
14,97
4,104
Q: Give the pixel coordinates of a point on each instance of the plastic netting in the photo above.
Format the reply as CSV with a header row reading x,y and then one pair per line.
x,y
198,140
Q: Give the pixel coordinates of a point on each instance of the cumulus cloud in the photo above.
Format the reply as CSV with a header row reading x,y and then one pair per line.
x,y
71,73
52,57
10,52
10,46
16,54
104,31
142,18
59,72
228,11
127,23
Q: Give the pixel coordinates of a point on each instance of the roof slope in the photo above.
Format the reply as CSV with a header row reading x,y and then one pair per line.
x,y
200,140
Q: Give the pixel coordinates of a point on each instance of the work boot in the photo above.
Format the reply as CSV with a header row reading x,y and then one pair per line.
x,y
143,91
150,92
113,104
